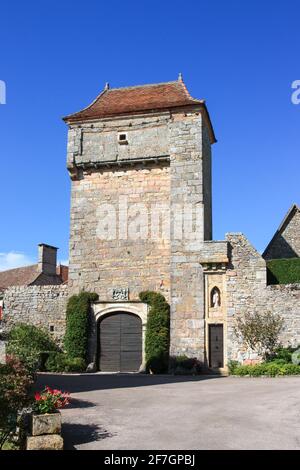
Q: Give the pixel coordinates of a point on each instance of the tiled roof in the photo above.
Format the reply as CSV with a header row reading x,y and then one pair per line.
x,y
27,275
116,101
18,276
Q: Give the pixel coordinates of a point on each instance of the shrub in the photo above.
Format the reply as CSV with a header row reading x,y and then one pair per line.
x,y
77,326
15,385
183,365
291,369
157,332
259,331
295,358
60,362
232,366
270,369
283,271
281,353
285,355
27,342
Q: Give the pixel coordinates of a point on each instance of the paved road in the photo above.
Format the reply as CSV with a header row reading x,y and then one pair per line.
x,y
159,412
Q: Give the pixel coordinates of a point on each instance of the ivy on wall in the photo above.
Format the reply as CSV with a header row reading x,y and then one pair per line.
x,y
157,339
77,324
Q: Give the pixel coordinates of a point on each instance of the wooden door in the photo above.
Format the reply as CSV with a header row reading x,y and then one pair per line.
x,y
216,350
120,347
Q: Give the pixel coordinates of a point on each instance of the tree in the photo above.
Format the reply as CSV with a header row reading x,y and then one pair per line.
x,y
259,331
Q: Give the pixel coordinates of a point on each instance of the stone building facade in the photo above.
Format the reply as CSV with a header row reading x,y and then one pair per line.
x,y
139,159
163,164
286,241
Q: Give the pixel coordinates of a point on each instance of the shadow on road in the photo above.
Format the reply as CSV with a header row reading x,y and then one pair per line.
x,y
78,403
88,382
76,434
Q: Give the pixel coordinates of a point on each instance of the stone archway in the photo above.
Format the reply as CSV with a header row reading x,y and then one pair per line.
x,y
130,310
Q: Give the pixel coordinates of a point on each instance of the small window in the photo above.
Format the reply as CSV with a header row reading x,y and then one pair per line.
x,y
51,328
123,138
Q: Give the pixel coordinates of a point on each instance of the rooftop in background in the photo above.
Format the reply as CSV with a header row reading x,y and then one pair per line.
x,y
137,99
45,272
28,275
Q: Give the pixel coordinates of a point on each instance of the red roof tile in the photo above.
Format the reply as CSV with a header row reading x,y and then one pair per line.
x,y
18,276
27,275
116,101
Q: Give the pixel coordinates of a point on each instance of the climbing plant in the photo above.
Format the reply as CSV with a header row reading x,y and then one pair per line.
x,y
77,326
157,339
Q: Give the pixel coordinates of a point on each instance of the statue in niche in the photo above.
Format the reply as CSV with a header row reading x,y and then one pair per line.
x,y
215,298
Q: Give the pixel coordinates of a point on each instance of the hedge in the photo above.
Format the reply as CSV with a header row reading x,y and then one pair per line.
x,y
270,369
77,325
157,339
283,271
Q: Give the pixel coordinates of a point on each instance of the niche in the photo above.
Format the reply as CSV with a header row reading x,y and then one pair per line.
x,y
215,297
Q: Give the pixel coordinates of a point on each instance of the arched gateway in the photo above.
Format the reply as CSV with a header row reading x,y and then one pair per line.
x,y
120,342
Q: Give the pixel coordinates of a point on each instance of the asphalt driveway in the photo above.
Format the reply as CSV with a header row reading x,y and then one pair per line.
x,y
124,411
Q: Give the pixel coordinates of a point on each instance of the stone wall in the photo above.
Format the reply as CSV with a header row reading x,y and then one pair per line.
x,y
42,306
187,153
286,241
131,256
2,352
91,144
247,292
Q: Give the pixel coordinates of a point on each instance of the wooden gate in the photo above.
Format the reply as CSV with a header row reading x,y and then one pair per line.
x,y
216,353
120,343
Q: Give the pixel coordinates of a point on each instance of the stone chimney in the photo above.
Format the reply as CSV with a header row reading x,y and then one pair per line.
x,y
47,259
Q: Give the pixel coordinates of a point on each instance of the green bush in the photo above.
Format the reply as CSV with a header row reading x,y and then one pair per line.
x,y
270,369
157,340
231,366
281,353
77,324
60,362
27,342
183,365
283,271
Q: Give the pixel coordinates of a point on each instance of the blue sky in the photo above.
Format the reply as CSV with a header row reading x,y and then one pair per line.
x,y
242,57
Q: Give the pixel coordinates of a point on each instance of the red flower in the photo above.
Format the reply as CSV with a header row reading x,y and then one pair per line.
x,y
37,396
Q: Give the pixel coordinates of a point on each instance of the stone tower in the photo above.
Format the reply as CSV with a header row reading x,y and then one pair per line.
x,y
140,163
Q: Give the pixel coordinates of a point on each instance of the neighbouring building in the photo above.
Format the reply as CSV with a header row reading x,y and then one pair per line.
x,y
139,159
286,240
36,293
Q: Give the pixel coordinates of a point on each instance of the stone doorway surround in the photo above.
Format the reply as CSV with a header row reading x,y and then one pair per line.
x,y
101,309
214,261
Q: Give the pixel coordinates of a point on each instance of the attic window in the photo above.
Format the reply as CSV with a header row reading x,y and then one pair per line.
x,y
122,138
